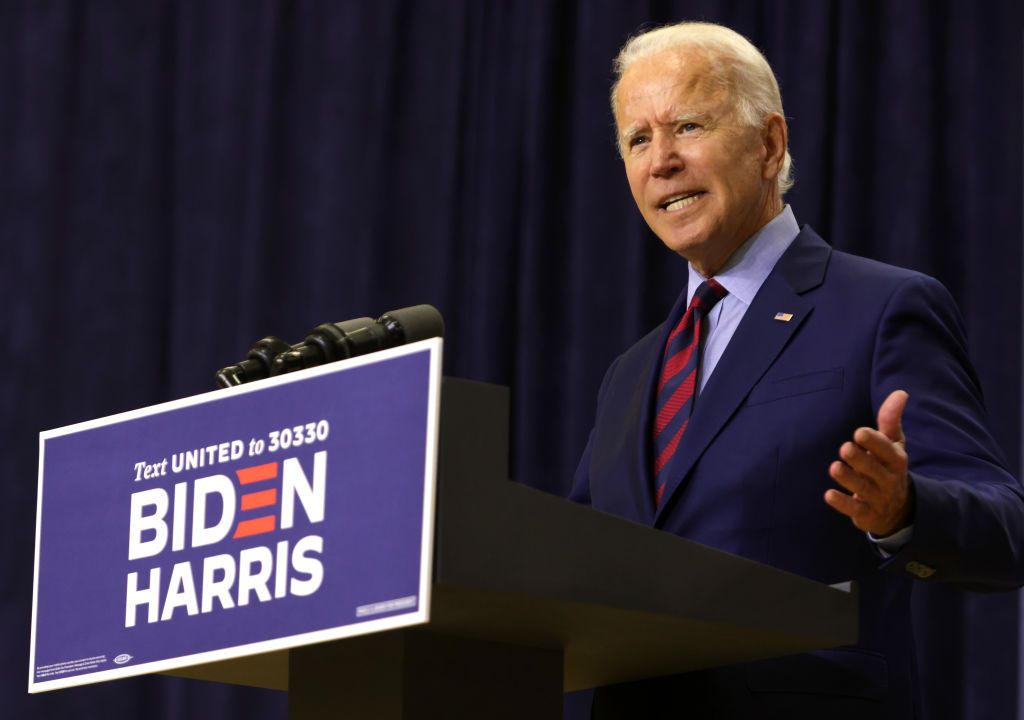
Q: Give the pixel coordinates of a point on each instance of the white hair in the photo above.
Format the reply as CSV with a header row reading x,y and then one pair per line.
x,y
734,60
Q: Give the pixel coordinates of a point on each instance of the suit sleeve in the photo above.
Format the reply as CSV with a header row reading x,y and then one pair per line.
x,y
968,508
580,492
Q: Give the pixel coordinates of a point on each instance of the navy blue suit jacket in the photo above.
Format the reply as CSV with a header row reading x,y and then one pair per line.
x,y
754,469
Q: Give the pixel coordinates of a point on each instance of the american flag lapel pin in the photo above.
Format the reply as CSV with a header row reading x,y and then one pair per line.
x,y
783,317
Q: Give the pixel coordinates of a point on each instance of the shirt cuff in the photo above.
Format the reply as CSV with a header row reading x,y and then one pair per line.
x,y
892,544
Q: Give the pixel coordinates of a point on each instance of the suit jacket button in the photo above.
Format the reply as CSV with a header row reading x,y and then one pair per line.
x,y
919,569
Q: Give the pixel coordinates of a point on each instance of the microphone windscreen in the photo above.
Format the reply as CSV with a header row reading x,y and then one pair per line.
x,y
418,322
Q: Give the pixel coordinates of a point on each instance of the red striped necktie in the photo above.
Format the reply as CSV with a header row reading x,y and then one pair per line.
x,y
677,383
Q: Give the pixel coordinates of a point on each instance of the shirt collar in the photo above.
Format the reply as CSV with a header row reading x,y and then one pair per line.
x,y
747,269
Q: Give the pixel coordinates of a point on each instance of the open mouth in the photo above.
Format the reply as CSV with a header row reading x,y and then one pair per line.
x,y
680,201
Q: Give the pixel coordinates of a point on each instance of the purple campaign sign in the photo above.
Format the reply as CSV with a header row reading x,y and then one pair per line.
x,y
293,510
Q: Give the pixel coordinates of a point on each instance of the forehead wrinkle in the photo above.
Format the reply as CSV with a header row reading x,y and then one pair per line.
x,y
694,74
705,71
695,85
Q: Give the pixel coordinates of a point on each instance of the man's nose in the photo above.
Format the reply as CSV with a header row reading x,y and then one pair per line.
x,y
666,159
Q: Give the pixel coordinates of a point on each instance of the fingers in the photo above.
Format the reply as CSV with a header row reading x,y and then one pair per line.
x,y
847,505
875,490
851,480
890,415
878,509
860,513
885,454
872,467
864,463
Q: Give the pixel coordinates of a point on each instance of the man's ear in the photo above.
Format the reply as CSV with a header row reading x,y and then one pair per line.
x,y
774,140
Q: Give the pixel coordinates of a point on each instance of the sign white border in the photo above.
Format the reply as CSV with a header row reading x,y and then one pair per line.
x,y
417,617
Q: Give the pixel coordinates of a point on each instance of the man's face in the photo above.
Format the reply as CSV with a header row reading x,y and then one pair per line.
x,y
703,181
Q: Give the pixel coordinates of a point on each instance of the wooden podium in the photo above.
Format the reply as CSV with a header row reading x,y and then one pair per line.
x,y
533,596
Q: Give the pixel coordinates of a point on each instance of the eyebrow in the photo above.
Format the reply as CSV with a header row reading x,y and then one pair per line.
x,y
631,132
634,130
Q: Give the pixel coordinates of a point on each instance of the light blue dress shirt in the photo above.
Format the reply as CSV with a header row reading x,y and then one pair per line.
x,y
743,275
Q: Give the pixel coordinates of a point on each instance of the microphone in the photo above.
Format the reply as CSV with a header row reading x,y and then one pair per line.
x,y
335,341
256,365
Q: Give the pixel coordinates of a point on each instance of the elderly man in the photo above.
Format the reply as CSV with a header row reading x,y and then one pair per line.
x,y
766,416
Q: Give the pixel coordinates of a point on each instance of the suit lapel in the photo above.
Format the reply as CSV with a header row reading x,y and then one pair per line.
x,y
640,416
756,344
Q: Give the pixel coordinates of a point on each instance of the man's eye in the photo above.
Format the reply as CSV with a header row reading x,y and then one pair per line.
x,y
637,140
689,127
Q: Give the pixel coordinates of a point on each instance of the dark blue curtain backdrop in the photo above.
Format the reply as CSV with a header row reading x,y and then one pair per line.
x,y
179,179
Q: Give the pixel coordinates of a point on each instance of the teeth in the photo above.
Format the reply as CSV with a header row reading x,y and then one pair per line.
x,y
682,202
